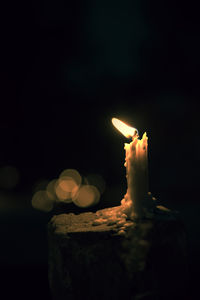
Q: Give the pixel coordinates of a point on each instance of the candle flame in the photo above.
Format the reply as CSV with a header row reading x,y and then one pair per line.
x,y
125,129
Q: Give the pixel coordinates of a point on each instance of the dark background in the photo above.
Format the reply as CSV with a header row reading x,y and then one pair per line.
x,y
69,67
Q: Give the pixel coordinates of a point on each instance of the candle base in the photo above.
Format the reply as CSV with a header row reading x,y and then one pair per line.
x,y
143,210
94,261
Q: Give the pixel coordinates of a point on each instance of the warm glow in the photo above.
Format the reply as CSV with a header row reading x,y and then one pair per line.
x,y
126,130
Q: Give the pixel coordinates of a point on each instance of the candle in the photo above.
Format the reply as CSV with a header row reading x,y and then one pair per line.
x,y
136,200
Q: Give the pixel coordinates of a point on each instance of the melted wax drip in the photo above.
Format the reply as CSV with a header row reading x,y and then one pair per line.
x,y
121,216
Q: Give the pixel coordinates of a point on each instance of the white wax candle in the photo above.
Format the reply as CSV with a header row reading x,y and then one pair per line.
x,y
137,176
136,200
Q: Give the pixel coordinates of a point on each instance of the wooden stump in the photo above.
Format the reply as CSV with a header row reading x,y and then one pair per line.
x,y
96,262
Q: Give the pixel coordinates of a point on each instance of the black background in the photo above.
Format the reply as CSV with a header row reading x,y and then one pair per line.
x,y
69,67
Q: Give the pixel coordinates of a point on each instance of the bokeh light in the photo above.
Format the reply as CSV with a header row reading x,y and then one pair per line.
x,y
69,187
86,196
97,181
50,189
66,188
42,202
9,177
72,173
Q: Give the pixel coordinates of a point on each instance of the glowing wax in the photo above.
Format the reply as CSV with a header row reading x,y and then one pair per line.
x,y
137,199
136,164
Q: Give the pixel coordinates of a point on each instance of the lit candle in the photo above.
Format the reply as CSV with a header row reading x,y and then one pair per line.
x,y
136,201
